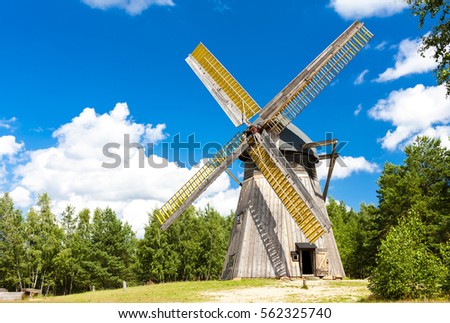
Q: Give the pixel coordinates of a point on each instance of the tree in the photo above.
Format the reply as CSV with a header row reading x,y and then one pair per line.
x,y
406,268
214,237
43,243
65,262
194,247
12,253
439,37
422,184
354,237
158,260
345,226
112,253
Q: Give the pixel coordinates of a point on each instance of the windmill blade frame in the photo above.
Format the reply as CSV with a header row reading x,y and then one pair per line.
x,y
231,96
201,180
291,101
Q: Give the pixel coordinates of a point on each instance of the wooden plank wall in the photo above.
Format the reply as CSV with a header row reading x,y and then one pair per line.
x,y
261,244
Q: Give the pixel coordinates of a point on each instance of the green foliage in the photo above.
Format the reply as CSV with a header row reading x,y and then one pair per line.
x,y
445,254
406,268
438,39
43,243
353,237
112,250
67,256
422,184
404,259
11,244
193,248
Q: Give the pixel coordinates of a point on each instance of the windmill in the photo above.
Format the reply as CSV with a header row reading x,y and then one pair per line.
x,y
281,226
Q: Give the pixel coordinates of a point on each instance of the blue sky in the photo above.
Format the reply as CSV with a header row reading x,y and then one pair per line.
x,y
75,75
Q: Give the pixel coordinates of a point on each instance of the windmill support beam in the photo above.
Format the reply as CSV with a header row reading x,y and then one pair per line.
x,y
322,143
332,157
233,177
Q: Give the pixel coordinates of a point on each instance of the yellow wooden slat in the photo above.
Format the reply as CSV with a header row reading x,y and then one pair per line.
x,y
241,99
301,214
192,185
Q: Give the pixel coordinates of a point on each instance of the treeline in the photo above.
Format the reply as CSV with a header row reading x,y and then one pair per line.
x,y
403,244
79,252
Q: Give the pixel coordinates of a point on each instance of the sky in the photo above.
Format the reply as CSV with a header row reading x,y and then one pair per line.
x,y
76,75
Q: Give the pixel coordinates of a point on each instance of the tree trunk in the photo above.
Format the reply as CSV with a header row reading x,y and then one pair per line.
x,y
20,279
42,282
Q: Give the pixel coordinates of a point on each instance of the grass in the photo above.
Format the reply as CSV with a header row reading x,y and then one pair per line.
x,y
318,291
183,292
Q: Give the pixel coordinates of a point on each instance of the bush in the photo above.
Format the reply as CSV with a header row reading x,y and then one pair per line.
x,y
406,269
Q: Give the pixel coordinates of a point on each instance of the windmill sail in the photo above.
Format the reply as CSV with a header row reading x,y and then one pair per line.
x,y
288,187
201,180
288,104
231,96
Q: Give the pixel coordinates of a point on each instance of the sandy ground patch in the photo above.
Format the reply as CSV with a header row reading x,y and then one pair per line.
x,y
317,291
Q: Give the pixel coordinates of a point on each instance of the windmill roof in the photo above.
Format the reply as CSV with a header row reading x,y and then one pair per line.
x,y
291,138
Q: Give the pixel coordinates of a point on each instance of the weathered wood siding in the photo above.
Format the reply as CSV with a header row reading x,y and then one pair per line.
x,y
265,234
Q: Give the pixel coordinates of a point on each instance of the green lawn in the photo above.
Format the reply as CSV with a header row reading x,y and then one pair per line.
x,y
184,292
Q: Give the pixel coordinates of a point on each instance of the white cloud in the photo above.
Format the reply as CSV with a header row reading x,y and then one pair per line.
x,y
224,202
360,79
9,146
132,7
155,134
71,172
6,123
356,9
21,196
441,132
408,61
358,110
346,166
414,111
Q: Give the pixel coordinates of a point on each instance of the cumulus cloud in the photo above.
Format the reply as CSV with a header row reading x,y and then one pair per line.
x,y
356,9
346,166
21,196
360,79
413,111
71,172
408,61
155,134
9,146
132,7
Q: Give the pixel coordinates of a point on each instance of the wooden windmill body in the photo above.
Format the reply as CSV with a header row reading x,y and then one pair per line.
x,y
281,227
265,241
